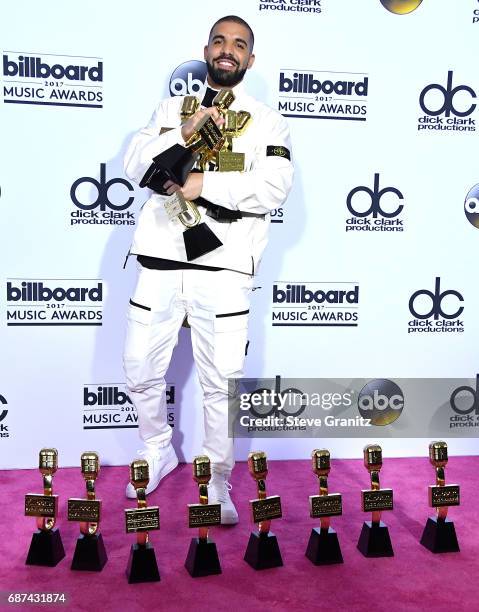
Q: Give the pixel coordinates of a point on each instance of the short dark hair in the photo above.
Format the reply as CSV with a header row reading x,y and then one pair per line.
x,y
235,19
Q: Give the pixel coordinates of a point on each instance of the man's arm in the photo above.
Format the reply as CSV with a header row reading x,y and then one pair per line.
x,y
148,142
267,185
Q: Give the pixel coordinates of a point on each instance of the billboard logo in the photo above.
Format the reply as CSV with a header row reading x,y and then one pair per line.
x,y
436,311
52,80
108,406
42,302
363,202
322,94
315,304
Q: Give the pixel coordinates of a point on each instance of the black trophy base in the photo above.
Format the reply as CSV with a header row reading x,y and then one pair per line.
x,y
90,554
263,551
142,565
439,536
323,547
374,540
200,240
46,548
202,559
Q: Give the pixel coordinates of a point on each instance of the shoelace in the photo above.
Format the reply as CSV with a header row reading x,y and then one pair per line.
x,y
222,492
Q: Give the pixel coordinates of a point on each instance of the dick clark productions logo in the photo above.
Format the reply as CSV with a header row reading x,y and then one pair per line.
x,y
375,215
436,311
444,109
106,205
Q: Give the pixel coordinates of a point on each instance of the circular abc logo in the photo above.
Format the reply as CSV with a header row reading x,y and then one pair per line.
x,y
381,400
471,206
4,412
401,7
188,79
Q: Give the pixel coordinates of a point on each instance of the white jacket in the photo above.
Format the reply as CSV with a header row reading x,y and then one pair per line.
x,y
262,187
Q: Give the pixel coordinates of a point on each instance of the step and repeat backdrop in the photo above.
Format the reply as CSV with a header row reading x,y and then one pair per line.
x,y
369,273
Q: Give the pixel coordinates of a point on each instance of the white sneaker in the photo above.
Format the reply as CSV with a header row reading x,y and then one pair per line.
x,y
219,493
161,462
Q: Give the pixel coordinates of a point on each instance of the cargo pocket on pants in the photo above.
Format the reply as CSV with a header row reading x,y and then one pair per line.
x,y
231,336
138,337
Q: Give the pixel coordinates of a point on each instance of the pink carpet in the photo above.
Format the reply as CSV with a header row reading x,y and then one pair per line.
x,y
413,579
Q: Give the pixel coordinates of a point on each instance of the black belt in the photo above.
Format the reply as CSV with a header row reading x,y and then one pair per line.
x,y
222,214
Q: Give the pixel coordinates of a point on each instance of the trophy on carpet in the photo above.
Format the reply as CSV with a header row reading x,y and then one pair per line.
x,y
323,546
439,534
263,550
142,565
202,558
374,540
210,147
90,553
46,547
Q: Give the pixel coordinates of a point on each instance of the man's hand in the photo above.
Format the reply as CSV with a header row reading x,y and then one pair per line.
x,y
191,189
189,127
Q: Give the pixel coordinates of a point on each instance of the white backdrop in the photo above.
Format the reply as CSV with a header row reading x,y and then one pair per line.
x,y
50,374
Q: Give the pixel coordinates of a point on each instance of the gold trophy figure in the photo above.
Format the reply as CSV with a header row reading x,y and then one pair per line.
x,y
439,534
90,553
202,558
263,551
142,565
323,546
46,547
374,540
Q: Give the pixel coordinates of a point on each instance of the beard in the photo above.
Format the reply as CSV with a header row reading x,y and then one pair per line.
x,y
225,78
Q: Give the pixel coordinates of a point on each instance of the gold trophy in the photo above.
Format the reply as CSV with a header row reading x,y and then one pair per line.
x,y
90,553
46,547
263,550
202,558
323,546
374,540
142,565
439,534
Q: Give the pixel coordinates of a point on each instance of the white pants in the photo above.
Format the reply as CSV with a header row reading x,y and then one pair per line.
x,y
217,307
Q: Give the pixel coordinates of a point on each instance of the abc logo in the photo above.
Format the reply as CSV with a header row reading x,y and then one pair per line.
x,y
465,400
4,412
401,7
374,200
436,298
188,79
381,400
102,186
471,206
446,99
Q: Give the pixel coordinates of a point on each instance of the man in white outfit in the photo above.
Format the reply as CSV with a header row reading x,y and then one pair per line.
x,y
213,291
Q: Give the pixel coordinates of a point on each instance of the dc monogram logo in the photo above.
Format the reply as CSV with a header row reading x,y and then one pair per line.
x,y
448,94
401,7
436,298
276,402
375,196
471,206
472,396
102,186
381,400
188,79
4,412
